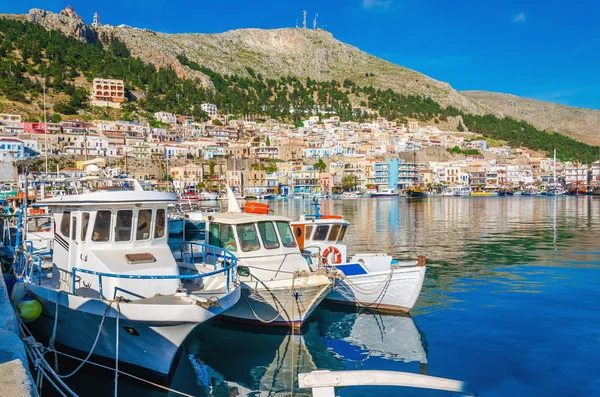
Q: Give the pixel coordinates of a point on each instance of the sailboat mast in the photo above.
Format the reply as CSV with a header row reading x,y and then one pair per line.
x,y
554,168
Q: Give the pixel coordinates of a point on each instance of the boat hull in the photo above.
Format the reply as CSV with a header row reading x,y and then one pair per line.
x,y
149,334
414,194
272,302
379,291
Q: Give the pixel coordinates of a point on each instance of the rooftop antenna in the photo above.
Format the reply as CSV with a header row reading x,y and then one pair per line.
x,y
315,21
296,23
304,24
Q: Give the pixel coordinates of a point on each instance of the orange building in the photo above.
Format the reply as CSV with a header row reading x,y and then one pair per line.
x,y
107,90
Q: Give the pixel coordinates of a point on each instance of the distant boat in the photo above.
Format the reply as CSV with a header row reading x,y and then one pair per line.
x,y
595,191
417,192
385,193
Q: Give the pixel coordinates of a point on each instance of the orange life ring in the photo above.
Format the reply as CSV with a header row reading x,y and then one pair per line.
x,y
337,258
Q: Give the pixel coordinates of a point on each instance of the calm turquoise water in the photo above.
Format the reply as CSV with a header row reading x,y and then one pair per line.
x,y
510,305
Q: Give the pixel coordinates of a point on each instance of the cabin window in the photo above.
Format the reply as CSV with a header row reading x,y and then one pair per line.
x,y
85,220
65,224
124,225
287,237
333,233
308,232
248,237
144,222
101,233
321,233
159,226
222,236
342,233
74,229
268,235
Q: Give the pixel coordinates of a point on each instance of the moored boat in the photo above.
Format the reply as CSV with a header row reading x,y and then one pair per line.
x,y
278,285
376,281
114,288
385,193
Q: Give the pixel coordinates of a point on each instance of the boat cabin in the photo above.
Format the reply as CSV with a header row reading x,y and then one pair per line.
x,y
121,232
263,243
323,233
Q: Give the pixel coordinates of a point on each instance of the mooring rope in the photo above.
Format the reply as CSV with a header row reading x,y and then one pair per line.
x,y
287,299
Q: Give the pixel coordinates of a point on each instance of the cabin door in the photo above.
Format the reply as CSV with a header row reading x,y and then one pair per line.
x,y
73,240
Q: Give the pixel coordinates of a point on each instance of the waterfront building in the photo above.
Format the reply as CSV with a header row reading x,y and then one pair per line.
x,y
107,92
595,172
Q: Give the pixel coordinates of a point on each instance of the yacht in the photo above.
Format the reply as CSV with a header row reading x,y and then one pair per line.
x,y
385,193
113,281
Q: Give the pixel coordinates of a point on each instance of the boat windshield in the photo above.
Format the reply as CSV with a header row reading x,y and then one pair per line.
x,y
143,225
321,233
333,233
342,233
268,235
287,237
248,237
221,236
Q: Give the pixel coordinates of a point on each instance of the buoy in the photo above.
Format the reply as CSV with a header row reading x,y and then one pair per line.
x,y
29,309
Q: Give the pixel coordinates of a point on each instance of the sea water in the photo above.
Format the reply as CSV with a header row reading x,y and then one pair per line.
x,y
510,306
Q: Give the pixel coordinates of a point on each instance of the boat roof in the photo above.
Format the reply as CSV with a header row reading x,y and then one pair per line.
x,y
237,218
331,221
111,197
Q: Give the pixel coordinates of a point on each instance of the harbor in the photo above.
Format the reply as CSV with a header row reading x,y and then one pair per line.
x,y
485,275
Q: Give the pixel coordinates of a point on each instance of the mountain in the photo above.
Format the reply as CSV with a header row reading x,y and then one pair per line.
x,y
254,71
579,123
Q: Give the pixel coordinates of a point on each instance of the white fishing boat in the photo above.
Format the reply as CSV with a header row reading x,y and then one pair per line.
x,y
114,289
385,193
278,285
369,280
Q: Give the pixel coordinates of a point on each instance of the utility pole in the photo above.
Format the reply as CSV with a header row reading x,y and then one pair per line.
x,y
85,145
45,129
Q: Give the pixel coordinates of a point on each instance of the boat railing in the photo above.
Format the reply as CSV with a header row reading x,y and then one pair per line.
x,y
323,383
226,259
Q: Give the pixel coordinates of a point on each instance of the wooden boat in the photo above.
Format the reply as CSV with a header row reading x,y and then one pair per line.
x,y
278,286
577,190
376,281
417,192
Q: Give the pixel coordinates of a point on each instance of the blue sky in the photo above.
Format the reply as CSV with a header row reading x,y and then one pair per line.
x,y
548,50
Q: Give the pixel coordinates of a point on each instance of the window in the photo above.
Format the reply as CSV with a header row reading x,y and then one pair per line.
x,y
268,235
222,236
144,221
342,233
321,232
74,230
333,233
287,237
124,223
308,232
85,220
65,224
248,237
101,232
159,226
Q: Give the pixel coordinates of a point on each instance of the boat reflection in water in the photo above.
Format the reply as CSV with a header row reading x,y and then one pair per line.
x,y
225,361
356,335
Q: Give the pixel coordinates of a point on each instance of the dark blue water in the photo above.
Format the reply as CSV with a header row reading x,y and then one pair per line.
x,y
510,306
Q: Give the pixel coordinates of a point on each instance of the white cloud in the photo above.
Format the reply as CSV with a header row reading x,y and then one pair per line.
x,y
373,4
519,18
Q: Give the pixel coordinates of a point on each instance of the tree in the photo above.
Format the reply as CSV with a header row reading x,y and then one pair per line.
x,y
268,141
349,182
217,122
460,127
320,166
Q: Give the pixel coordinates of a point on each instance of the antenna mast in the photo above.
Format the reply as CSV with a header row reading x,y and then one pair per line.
x,y
315,21
304,24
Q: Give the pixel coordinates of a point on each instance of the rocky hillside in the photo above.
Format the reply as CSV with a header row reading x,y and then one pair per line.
x,y
319,56
582,124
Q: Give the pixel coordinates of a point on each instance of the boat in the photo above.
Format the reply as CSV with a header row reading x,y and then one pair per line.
x,y
462,191
385,193
577,190
40,234
595,191
278,285
372,280
189,197
209,196
114,289
481,193
417,191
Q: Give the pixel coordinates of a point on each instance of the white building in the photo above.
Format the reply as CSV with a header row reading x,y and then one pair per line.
x,y
11,149
94,146
210,108
165,117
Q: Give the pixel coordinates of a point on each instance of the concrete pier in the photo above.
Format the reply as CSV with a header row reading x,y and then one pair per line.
x,y
14,367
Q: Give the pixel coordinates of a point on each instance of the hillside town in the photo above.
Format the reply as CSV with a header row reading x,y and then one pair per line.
x,y
321,156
